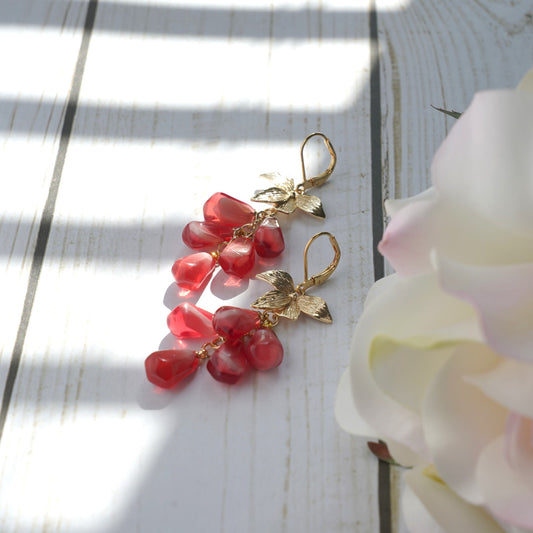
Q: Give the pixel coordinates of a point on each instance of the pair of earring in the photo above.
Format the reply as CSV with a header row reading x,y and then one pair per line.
x,y
242,338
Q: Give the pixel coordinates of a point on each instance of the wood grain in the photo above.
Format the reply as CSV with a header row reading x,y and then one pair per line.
x,y
168,114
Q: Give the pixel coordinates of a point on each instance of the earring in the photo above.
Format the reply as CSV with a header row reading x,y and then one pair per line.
x,y
232,232
241,338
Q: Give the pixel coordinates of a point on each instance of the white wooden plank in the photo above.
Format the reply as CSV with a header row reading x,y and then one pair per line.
x,y
164,121
39,41
440,53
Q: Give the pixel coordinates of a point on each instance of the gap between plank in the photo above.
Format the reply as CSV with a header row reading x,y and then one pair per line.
x,y
384,484
48,213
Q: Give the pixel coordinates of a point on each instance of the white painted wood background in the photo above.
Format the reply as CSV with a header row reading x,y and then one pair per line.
x,y
178,100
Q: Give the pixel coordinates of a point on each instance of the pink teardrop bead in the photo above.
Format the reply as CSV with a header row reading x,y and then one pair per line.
x,y
198,235
167,368
263,350
227,211
193,271
234,322
228,363
187,321
268,238
238,257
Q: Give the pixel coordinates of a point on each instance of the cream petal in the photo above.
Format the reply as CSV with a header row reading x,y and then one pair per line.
x,y
503,298
507,493
448,227
509,383
346,412
431,507
526,83
404,371
413,311
485,162
392,206
459,420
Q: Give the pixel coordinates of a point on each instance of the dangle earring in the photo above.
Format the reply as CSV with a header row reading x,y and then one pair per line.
x,y
240,338
232,232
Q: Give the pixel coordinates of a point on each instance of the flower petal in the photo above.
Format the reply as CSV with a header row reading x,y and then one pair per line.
x,y
509,383
431,507
526,83
503,298
404,309
404,370
485,162
507,493
459,420
430,222
347,417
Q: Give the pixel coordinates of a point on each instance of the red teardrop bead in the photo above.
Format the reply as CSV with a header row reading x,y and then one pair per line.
x,y
228,211
228,363
263,349
199,235
168,367
238,257
187,321
234,322
193,271
268,238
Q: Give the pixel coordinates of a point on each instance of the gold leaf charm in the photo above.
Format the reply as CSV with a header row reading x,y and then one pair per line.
x,y
310,204
315,307
286,198
287,301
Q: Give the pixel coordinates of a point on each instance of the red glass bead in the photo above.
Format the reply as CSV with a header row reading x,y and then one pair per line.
x,y
263,349
193,271
228,363
269,239
187,321
228,211
199,235
234,322
238,257
168,367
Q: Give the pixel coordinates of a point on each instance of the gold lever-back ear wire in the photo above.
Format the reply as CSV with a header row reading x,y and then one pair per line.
x,y
287,300
321,277
321,178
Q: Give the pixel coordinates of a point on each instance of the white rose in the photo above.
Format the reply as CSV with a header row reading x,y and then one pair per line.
x,y
442,358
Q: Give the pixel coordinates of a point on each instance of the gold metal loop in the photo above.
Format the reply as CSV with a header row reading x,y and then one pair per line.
x,y
320,278
321,178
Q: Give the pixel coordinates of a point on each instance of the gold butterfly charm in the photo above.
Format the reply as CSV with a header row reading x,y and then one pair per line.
x,y
288,300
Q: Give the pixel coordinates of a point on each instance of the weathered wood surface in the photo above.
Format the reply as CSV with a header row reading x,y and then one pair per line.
x,y
178,100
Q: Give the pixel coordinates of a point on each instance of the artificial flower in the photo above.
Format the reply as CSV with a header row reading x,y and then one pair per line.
x,y
441,361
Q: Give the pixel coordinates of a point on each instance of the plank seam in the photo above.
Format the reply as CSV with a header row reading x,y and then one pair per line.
x,y
45,224
384,484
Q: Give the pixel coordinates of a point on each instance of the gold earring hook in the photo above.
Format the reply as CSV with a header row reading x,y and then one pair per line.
x,y
321,277
321,178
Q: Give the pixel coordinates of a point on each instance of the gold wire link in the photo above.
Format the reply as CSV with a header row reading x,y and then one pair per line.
x,y
321,178
269,320
249,229
204,351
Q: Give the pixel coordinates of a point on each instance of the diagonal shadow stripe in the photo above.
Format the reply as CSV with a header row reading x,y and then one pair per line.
x,y
139,18
130,121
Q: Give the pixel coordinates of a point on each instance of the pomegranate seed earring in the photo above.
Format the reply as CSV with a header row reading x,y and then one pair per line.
x,y
232,232
241,338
